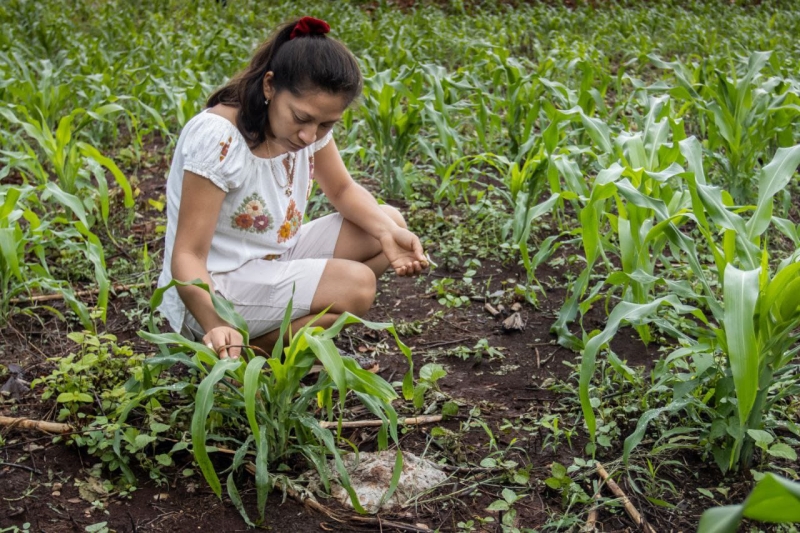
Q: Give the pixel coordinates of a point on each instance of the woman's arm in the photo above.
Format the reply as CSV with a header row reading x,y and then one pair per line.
x,y
357,205
201,202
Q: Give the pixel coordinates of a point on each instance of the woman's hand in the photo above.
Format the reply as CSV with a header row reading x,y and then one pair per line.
x,y
224,340
404,252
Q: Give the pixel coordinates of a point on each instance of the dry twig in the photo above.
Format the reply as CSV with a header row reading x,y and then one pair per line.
x,y
78,294
41,425
629,508
591,520
417,420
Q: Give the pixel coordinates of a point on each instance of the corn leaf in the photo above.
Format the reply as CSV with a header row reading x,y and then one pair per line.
x,y
204,401
740,295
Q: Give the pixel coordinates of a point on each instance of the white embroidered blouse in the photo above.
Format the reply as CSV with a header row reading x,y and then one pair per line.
x,y
263,208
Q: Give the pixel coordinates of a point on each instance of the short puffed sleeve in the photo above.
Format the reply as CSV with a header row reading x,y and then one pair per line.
x,y
212,147
320,144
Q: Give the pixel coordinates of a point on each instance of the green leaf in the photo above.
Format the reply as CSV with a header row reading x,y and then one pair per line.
x,y
233,494
432,372
740,296
598,131
251,381
158,427
783,451
721,520
450,409
705,492
498,505
510,496
623,312
263,477
553,483
762,438
559,471
775,500
204,401
143,440
69,201
521,477
92,152
774,178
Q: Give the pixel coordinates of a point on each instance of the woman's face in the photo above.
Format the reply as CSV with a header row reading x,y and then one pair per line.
x,y
298,121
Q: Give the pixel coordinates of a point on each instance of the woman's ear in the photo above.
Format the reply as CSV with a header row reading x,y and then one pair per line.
x,y
267,86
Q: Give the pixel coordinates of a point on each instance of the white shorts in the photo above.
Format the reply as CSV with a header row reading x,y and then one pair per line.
x,y
261,289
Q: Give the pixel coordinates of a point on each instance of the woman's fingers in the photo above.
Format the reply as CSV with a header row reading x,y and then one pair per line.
x,y
235,350
411,268
225,341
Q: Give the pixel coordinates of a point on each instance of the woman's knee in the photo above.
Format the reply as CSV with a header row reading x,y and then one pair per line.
x,y
395,215
348,286
364,286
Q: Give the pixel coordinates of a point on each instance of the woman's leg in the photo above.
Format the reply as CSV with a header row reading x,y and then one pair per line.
x,y
349,281
357,245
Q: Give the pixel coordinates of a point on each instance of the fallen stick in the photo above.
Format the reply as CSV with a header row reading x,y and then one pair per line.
x,y
629,508
87,292
41,425
417,420
591,520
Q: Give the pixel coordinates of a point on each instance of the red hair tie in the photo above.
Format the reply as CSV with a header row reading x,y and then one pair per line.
x,y
309,26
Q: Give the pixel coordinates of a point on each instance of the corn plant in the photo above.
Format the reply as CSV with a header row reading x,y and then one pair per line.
x,y
262,404
744,116
639,187
393,114
757,316
27,242
443,109
68,157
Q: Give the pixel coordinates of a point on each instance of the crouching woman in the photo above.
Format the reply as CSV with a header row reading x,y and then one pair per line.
x,y
238,188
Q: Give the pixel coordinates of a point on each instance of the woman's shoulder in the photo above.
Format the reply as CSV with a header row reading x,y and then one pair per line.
x,y
211,146
218,118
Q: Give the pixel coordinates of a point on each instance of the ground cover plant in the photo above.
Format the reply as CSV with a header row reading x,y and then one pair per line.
x,y
609,194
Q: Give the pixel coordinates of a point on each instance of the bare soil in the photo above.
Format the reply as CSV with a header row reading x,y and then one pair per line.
x,y
509,392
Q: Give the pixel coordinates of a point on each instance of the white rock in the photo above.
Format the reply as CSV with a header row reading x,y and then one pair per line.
x,y
370,479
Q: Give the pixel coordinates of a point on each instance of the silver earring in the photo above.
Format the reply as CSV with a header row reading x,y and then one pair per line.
x,y
266,101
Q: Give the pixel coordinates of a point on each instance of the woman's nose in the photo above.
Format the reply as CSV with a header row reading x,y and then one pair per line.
x,y
308,134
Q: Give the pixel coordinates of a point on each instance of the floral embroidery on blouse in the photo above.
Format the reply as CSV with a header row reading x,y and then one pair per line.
x,y
290,226
251,216
225,146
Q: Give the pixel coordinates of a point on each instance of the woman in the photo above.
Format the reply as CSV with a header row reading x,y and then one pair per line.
x,y
239,185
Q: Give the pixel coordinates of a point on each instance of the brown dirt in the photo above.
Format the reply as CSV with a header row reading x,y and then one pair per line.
x,y
512,388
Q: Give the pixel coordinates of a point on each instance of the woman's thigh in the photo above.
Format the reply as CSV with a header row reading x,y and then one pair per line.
x,y
261,290
356,244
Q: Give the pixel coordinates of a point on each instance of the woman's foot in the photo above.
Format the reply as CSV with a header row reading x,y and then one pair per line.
x,y
366,362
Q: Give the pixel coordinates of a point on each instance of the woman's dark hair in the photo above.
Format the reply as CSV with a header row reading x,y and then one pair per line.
x,y
305,63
